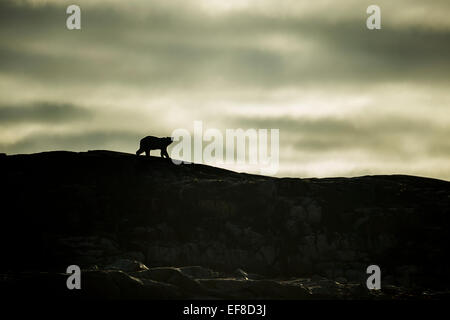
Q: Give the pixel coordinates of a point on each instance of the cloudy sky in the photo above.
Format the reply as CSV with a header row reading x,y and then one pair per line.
x,y
348,101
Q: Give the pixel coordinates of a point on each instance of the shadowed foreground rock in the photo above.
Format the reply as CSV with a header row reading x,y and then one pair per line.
x,y
128,221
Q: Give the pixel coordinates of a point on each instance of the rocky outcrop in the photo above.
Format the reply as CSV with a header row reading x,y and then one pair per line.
x,y
169,283
110,212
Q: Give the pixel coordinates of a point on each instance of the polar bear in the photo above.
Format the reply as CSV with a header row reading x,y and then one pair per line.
x,y
154,143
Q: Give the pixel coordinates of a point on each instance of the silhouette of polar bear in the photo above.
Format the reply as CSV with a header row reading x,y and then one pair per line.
x,y
154,143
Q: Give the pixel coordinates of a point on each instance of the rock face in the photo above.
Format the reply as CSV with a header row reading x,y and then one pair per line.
x,y
116,215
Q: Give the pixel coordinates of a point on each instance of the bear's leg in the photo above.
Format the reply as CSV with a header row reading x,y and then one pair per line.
x,y
139,151
164,153
147,153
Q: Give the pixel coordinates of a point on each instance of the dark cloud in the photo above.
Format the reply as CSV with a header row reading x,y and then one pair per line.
x,y
42,112
386,137
164,48
328,125
440,147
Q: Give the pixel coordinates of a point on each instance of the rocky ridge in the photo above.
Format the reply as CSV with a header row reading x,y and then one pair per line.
x,y
146,228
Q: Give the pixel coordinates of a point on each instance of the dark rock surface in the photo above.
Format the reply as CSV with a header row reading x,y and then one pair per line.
x,y
146,228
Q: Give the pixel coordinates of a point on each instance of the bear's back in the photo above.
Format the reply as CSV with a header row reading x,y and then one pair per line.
x,y
149,139
154,142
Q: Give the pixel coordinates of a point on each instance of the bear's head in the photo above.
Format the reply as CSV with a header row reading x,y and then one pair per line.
x,y
167,140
